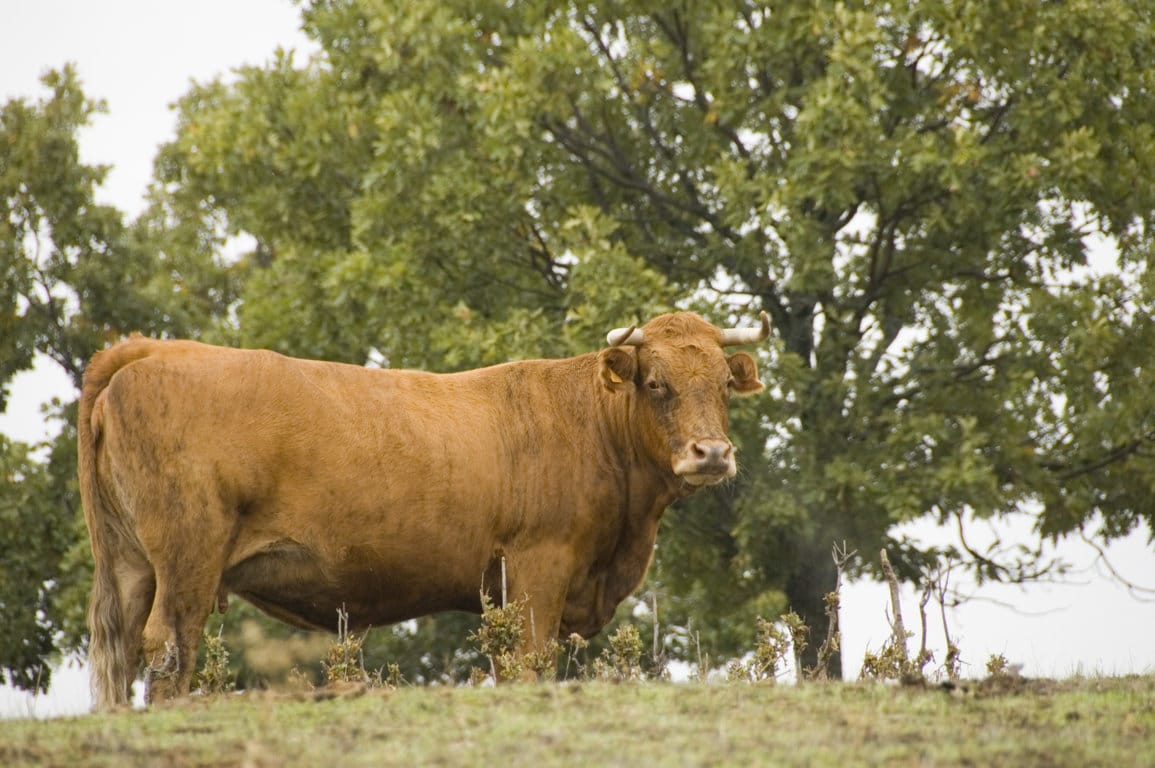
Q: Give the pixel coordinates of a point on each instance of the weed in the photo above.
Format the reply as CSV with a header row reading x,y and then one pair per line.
x,y
500,637
700,672
889,663
622,660
214,676
659,667
344,662
575,644
542,662
997,666
791,634
893,661
770,649
393,677
299,680
832,643
1003,677
799,635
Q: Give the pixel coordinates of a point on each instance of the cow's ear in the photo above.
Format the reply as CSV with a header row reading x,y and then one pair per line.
x,y
618,366
744,371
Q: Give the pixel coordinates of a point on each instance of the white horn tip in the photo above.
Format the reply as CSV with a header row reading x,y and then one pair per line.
x,y
733,336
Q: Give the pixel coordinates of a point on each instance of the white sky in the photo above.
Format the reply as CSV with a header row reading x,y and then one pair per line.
x,y
141,55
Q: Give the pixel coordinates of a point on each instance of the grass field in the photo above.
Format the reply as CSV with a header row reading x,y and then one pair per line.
x,y
1012,722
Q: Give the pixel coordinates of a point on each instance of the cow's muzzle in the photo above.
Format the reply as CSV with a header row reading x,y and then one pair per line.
x,y
705,462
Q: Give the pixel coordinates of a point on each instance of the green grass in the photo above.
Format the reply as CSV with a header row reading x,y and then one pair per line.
x,y
1083,722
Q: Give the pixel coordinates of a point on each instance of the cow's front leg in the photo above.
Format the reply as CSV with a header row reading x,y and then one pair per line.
x,y
538,584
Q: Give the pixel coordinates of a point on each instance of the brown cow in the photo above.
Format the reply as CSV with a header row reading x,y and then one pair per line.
x,y
305,486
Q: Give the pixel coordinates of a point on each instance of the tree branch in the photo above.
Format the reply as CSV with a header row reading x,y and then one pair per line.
x,y
898,631
1145,594
1065,472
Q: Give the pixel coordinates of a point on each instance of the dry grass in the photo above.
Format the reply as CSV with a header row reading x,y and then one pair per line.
x,y
1010,721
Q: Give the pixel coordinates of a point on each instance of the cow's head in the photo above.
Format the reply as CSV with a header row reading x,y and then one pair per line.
x,y
683,381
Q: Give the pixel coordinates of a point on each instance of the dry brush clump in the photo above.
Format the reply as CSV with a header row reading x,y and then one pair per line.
x,y
345,661
501,638
622,659
214,676
775,640
772,644
895,662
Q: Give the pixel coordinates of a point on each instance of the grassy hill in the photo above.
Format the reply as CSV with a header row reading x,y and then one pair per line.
x,y
1009,721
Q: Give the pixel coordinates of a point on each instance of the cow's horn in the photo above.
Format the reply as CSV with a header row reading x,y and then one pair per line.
x,y
732,336
631,336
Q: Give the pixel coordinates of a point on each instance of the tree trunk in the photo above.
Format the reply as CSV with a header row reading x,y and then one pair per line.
x,y
807,588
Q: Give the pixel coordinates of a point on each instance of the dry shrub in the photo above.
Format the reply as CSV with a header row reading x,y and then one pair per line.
x,y
622,659
575,644
499,638
773,641
214,677
344,661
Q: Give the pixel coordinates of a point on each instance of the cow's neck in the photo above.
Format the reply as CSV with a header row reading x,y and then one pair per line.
x,y
646,502
646,488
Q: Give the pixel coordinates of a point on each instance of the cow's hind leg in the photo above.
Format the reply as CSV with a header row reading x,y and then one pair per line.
x,y
172,634
137,587
188,559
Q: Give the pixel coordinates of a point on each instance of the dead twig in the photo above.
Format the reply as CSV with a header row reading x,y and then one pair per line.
x,y
898,631
833,640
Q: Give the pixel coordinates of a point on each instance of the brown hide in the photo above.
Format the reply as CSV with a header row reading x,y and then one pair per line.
x,y
305,486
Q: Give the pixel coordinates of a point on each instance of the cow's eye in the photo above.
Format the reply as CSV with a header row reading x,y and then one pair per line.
x,y
654,386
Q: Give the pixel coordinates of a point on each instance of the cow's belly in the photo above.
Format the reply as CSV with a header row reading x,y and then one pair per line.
x,y
293,584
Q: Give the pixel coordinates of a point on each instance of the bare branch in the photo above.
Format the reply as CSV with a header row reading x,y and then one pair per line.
x,y
1144,594
940,582
832,644
898,631
1018,574
926,592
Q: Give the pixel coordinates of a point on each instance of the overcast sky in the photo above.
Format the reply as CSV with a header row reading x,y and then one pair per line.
x,y
141,55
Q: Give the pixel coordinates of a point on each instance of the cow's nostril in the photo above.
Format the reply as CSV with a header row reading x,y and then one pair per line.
x,y
711,451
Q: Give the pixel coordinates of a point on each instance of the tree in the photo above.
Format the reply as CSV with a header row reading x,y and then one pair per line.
x,y
911,191
74,277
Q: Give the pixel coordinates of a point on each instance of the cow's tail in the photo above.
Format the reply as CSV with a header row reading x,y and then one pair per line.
x,y
108,652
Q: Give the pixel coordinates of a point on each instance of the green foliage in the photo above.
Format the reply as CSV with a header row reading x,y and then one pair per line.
x,y
55,237
34,538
